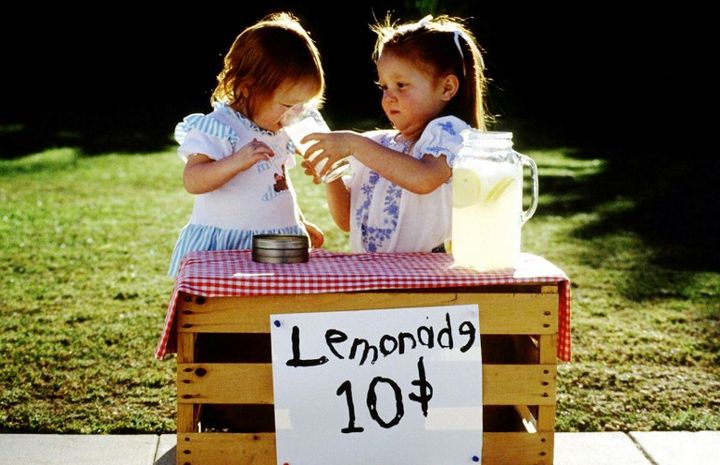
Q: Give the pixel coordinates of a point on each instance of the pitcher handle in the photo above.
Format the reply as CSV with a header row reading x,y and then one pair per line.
x,y
530,163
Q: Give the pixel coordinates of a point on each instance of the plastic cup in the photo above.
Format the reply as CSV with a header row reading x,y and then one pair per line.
x,y
298,124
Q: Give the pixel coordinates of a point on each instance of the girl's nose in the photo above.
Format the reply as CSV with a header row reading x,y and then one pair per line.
x,y
388,96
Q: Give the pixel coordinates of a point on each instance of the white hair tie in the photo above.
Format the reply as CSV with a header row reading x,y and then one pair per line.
x,y
415,26
424,21
456,36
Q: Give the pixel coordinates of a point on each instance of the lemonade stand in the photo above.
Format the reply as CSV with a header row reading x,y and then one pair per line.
x,y
228,412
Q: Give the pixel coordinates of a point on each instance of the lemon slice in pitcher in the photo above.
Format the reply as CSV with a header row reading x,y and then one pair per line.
x,y
465,186
499,188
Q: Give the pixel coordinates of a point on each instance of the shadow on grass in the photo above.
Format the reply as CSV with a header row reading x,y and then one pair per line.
x,y
143,132
92,134
47,161
668,200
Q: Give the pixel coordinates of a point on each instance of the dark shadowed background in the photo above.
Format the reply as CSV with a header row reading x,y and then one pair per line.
x,y
120,75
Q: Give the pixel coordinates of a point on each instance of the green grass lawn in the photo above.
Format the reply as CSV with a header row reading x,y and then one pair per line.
x,y
85,243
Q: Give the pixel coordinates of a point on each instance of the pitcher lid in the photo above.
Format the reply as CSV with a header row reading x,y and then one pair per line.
x,y
493,145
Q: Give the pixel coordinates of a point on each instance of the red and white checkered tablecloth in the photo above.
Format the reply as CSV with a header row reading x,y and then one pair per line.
x,y
233,273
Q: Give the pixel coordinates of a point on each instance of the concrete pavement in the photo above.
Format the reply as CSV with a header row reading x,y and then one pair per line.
x,y
635,448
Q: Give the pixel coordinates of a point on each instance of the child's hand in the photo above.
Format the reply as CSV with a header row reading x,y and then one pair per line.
x,y
330,146
251,153
317,238
310,171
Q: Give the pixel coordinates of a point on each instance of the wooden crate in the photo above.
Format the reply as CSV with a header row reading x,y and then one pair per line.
x,y
518,326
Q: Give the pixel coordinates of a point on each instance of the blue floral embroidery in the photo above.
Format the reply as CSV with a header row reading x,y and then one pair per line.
x,y
438,150
435,150
447,126
373,237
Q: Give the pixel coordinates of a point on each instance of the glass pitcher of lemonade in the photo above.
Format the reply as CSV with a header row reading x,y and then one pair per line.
x,y
487,212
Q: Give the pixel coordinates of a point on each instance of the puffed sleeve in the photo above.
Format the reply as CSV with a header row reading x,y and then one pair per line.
x,y
441,137
198,133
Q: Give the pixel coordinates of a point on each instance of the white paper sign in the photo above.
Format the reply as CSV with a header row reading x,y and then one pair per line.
x,y
378,387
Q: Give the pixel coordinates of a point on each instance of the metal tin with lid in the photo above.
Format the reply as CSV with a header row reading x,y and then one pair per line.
x,y
280,248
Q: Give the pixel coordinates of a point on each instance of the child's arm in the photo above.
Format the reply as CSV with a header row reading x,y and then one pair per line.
x,y
337,194
418,176
203,174
317,237
338,199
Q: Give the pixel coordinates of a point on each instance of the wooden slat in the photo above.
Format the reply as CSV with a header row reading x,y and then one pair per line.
x,y
187,415
186,348
517,449
224,383
519,384
548,348
186,420
226,449
259,449
499,313
546,418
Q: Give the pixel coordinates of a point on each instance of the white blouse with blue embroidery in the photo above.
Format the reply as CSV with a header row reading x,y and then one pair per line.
x,y
387,218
